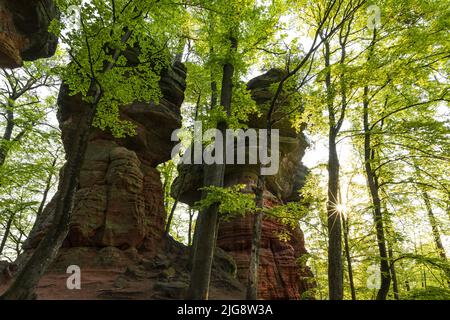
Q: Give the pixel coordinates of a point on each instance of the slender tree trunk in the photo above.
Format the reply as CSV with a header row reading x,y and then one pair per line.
x,y
199,216
7,231
335,269
193,250
448,207
390,242
47,188
170,218
435,230
348,257
6,136
213,176
372,183
424,279
253,274
434,226
407,286
191,219
205,243
172,211
393,272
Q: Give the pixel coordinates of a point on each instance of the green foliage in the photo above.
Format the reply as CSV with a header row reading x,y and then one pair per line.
x,y
125,70
429,293
289,214
232,201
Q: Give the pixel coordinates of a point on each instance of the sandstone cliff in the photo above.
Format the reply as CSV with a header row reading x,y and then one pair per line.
x,y
24,31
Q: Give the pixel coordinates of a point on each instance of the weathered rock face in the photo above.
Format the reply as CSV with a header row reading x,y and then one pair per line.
x,y
119,202
24,31
281,275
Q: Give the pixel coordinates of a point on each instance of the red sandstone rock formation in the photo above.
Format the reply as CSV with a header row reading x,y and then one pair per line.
x,y
119,202
281,275
24,31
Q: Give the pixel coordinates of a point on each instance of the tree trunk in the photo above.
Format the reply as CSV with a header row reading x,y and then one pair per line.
x,y
348,258
213,176
253,274
393,272
390,241
335,270
193,249
28,278
48,186
434,226
435,230
191,218
170,218
7,231
372,183
205,243
448,207
6,136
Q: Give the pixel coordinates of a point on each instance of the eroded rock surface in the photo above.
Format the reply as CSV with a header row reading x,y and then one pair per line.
x,y
24,31
119,202
111,273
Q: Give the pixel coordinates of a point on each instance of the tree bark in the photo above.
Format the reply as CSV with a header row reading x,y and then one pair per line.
x,y
348,258
6,136
390,242
213,176
372,183
48,186
393,273
335,269
434,226
170,218
435,231
193,249
191,218
7,231
253,273
205,243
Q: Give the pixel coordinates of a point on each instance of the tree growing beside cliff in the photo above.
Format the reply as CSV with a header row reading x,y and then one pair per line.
x,y
113,63
234,31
